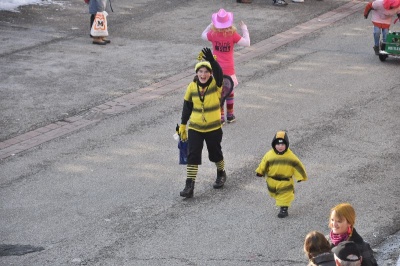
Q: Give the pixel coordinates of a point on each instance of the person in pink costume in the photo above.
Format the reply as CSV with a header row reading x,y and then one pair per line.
x,y
382,14
223,36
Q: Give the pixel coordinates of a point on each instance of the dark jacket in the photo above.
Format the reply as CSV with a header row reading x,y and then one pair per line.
x,y
366,252
324,259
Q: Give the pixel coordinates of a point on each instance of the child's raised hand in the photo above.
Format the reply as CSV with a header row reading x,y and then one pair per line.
x,y
208,54
242,25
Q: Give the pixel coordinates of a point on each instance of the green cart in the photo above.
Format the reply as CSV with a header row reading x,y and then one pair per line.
x,y
391,47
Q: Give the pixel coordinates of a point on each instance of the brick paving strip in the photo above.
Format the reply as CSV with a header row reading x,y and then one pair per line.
x,y
124,103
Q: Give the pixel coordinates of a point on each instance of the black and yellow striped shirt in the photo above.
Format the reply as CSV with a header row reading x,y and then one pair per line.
x,y
207,118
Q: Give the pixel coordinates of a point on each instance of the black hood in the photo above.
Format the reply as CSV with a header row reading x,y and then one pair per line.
x,y
280,136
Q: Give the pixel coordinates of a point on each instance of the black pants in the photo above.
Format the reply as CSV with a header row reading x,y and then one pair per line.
x,y
196,142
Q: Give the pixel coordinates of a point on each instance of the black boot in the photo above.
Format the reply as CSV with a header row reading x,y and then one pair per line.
x,y
283,212
221,178
376,50
187,192
383,46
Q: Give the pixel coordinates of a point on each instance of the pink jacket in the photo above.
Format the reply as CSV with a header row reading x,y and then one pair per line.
x,y
382,15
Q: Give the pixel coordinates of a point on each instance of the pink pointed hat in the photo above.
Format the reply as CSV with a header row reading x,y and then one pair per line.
x,y
223,19
389,4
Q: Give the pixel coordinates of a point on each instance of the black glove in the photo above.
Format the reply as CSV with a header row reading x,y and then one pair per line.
x,y
260,175
298,181
208,54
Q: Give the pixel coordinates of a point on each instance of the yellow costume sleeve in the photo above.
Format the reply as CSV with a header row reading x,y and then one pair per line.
x,y
264,165
299,170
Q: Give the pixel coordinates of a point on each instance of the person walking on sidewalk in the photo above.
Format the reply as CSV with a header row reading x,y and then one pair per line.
x,y
94,7
223,36
201,107
381,17
280,165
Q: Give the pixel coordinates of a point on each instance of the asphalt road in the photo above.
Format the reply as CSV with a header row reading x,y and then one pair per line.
x,y
50,72
108,194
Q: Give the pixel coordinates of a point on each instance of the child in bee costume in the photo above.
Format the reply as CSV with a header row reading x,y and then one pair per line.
x,y
280,165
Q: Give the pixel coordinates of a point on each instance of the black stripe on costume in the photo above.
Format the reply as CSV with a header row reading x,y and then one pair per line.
x,y
206,127
292,163
280,178
207,110
300,170
282,190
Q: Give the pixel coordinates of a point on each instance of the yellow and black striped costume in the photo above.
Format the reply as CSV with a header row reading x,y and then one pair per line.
x,y
201,108
209,109
279,170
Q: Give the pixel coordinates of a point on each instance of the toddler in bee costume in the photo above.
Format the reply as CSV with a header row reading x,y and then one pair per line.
x,y
279,165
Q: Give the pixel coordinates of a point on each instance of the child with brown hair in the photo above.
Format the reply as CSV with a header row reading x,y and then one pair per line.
x,y
223,36
318,250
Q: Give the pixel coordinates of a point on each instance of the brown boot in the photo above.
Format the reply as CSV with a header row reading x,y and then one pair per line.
x,y
99,41
105,40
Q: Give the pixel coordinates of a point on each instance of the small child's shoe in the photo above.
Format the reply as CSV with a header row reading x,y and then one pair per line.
x,y
283,212
231,119
280,3
222,121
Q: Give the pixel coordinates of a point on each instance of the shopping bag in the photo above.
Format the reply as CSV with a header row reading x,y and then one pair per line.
x,y
182,146
183,151
99,27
